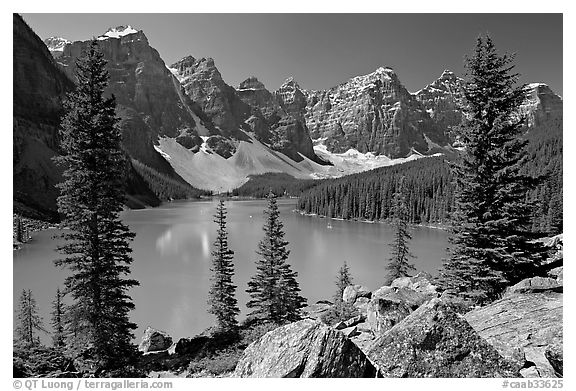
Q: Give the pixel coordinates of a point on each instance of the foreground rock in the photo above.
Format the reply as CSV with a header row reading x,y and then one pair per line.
x,y
434,341
524,327
154,340
390,304
353,292
537,284
306,348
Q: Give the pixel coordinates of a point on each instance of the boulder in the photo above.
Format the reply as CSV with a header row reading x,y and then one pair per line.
x,y
361,304
389,305
558,274
401,282
154,340
529,372
350,322
306,348
419,283
535,284
385,313
353,292
554,353
355,320
424,286
350,331
521,327
434,341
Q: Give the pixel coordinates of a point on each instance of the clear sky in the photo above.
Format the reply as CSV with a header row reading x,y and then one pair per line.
x,y
323,50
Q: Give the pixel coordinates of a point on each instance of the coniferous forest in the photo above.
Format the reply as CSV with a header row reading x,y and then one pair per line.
x,y
480,297
281,184
429,189
369,195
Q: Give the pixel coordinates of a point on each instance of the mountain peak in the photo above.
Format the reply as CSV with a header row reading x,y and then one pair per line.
x,y
251,83
290,84
56,44
386,70
533,86
118,32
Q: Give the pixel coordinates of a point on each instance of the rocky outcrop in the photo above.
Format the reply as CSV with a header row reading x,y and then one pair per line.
x,y
56,45
151,102
203,83
443,100
390,304
154,340
542,107
251,107
536,284
306,348
282,112
385,311
434,341
253,92
372,113
523,328
353,292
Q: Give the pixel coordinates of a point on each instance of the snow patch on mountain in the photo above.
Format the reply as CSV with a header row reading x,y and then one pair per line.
x,y
352,161
117,32
536,85
161,152
56,44
211,171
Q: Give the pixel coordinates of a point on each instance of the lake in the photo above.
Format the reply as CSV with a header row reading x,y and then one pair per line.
x,y
172,259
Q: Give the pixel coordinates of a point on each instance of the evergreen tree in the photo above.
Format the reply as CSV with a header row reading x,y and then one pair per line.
x,y
92,196
399,265
491,243
274,291
222,300
57,313
343,279
28,319
342,310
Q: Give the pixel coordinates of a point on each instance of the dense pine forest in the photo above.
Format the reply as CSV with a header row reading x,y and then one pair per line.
x,y
429,188
369,195
544,151
281,184
164,187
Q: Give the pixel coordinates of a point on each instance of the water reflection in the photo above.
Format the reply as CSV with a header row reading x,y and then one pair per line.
x,y
172,248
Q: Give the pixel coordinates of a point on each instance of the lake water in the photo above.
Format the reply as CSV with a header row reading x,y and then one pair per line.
x,y
172,259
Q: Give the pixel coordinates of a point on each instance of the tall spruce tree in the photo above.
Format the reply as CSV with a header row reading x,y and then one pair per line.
x,y
491,243
58,338
222,295
342,310
343,279
399,265
28,319
274,291
97,245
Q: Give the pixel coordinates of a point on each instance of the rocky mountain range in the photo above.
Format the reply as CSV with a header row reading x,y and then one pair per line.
x,y
186,123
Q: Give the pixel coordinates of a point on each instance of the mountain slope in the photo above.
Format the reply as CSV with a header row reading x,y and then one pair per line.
x,y
250,108
149,101
38,89
371,113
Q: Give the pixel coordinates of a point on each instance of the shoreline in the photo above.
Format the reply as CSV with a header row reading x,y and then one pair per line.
x,y
442,227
